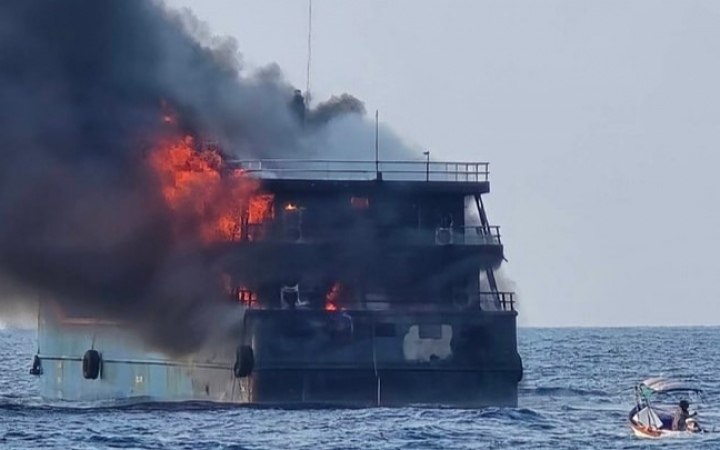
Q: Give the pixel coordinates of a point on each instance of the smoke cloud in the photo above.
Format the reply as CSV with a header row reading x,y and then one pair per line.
x,y
83,85
18,307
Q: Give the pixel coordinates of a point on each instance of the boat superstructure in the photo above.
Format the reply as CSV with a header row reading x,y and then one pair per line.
x,y
369,283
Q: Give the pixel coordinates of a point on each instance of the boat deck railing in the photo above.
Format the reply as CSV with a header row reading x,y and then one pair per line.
x,y
326,169
468,235
304,299
477,235
505,301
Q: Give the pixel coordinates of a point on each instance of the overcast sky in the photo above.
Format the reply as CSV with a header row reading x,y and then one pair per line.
x,y
599,120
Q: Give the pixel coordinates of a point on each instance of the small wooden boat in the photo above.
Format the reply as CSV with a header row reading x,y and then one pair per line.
x,y
656,402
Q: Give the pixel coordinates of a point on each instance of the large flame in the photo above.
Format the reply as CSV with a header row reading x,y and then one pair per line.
x,y
197,185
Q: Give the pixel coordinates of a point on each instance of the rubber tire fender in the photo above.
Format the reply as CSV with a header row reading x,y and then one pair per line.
x,y
244,362
91,364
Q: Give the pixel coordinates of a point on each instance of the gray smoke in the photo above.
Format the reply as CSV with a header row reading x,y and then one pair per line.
x,y
83,84
18,306
334,107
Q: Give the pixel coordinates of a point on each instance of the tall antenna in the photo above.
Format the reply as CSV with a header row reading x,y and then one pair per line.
x,y
309,55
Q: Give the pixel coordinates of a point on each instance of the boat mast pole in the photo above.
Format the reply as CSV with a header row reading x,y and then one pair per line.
x,y
309,57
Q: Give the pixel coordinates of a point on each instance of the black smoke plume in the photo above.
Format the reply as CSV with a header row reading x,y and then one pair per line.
x,y
83,87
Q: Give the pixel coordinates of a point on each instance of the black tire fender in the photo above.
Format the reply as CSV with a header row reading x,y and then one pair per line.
x,y
244,362
91,364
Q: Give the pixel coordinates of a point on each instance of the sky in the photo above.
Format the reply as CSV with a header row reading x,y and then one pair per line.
x,y
599,120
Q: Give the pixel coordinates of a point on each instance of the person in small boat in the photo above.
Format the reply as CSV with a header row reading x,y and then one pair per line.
x,y
681,416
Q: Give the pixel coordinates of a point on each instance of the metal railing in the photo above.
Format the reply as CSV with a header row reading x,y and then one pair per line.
x,y
326,169
502,301
312,299
472,235
484,301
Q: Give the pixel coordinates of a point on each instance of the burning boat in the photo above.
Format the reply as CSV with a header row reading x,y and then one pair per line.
x,y
357,283
166,270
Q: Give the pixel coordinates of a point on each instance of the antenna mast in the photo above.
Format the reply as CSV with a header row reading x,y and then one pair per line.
x,y
309,55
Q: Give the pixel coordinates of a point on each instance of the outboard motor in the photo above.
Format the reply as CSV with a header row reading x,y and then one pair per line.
x,y
692,425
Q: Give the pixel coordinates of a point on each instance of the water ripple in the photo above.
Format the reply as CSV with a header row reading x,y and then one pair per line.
x,y
576,393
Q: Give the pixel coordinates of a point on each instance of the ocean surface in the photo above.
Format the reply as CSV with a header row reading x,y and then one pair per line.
x,y
576,394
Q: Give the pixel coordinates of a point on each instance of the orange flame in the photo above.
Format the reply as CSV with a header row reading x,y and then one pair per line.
x,y
332,297
241,293
246,296
197,185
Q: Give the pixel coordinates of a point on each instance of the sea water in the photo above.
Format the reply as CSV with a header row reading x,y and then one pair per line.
x,y
576,393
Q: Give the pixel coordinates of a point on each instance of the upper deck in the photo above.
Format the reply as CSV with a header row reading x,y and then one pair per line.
x,y
389,203
322,174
